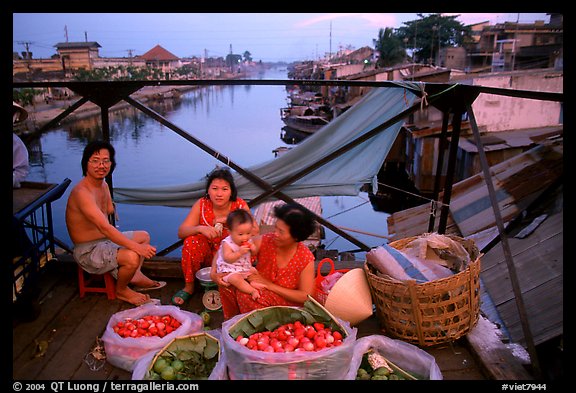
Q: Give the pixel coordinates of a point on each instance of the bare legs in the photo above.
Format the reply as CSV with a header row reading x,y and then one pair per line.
x,y
238,281
129,265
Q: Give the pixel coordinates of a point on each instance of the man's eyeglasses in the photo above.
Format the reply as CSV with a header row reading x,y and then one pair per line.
x,y
95,162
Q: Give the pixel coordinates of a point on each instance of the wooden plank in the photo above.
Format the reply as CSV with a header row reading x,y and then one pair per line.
x,y
83,339
497,361
51,303
56,333
544,308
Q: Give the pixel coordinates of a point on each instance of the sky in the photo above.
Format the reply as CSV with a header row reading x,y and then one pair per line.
x,y
269,37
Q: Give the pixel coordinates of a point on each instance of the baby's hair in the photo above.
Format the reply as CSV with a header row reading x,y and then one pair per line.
x,y
238,216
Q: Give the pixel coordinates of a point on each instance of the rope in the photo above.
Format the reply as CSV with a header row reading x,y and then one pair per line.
x,y
347,210
432,201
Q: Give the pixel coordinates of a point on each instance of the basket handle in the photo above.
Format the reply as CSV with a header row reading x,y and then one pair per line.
x,y
328,260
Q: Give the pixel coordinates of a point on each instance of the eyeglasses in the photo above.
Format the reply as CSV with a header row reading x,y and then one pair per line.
x,y
95,162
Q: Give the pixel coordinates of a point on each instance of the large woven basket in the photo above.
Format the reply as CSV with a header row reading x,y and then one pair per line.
x,y
429,313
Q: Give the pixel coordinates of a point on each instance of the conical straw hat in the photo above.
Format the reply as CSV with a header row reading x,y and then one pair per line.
x,y
350,298
23,112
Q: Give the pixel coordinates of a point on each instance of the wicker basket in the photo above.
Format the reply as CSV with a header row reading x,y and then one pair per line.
x,y
429,313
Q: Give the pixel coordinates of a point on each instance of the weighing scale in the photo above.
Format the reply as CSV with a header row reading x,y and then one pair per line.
x,y
211,298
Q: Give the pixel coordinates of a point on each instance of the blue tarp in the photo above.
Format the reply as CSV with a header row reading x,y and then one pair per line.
x,y
344,175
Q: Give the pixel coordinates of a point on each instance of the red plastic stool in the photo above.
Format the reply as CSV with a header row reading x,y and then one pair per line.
x,y
85,281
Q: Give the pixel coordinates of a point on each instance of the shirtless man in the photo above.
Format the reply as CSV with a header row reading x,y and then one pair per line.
x,y
98,246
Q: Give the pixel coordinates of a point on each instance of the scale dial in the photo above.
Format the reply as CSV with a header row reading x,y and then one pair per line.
x,y
211,300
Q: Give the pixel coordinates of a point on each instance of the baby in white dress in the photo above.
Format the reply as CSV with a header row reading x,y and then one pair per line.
x,y
235,253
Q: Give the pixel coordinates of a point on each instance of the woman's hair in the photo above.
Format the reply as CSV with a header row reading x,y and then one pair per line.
x,y
236,217
224,174
300,221
96,146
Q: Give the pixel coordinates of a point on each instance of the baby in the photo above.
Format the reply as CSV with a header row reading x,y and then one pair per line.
x,y
235,252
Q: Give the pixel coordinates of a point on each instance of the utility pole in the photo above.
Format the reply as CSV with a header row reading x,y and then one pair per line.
x,y
27,46
330,53
66,32
130,55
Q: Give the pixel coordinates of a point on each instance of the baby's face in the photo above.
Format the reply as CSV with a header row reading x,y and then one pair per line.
x,y
241,232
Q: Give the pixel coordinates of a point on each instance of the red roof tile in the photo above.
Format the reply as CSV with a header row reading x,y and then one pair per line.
x,y
159,53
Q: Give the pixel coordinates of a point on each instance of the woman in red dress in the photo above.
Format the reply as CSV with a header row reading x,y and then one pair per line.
x,y
285,265
205,226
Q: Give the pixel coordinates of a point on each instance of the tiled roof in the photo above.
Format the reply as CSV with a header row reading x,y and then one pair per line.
x,y
159,53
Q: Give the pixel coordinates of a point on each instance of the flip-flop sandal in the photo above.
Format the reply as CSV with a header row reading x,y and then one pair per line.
x,y
161,284
182,294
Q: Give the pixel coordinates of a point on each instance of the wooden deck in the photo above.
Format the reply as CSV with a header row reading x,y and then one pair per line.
x,y
71,325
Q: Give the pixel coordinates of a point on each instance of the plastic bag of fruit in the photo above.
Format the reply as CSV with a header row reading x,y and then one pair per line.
x,y
284,343
194,357
379,357
132,333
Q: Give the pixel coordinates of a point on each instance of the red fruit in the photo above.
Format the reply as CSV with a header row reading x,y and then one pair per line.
x,y
318,325
299,332
308,346
161,325
320,342
337,335
310,332
293,341
252,344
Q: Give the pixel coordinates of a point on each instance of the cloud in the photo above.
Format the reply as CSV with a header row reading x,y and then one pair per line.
x,y
374,20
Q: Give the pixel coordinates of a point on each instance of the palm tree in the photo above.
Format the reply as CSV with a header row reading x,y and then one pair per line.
x,y
390,48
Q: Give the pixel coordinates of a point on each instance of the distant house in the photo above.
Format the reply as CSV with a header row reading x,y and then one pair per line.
x,y
162,59
78,55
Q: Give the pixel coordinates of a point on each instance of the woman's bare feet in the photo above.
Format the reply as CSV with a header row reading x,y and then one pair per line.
x,y
183,295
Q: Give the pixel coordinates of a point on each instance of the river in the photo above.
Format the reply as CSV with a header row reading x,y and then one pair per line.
x,y
241,122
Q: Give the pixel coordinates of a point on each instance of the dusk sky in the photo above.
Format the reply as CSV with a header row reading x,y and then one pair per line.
x,y
269,37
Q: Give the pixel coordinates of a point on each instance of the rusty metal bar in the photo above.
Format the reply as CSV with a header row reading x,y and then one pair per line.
x,y
62,115
439,165
456,123
257,180
505,246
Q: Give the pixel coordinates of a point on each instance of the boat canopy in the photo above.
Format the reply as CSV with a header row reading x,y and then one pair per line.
x,y
343,175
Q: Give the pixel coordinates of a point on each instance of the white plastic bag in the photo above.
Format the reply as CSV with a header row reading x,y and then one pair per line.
x,y
247,364
218,373
123,352
406,356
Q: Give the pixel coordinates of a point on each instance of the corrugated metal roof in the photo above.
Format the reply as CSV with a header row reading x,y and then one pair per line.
x,y
70,45
510,139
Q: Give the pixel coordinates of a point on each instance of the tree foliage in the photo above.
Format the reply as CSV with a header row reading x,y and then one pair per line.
x,y
426,35
389,47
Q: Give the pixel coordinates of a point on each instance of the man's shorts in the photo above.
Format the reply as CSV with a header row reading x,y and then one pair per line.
x,y
99,256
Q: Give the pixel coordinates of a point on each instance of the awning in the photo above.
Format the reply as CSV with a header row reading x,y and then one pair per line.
x,y
344,175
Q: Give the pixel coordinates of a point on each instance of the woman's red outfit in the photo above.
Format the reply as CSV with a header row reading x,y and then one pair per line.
x,y
235,302
198,250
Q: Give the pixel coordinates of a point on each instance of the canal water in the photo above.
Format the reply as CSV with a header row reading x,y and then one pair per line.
x,y
241,122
